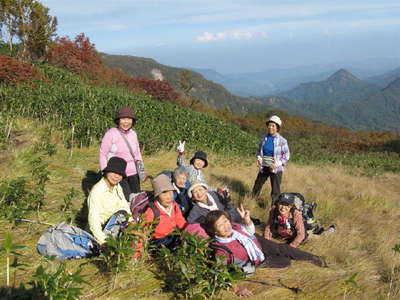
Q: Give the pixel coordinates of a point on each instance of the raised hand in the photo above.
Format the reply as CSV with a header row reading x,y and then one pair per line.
x,y
244,214
181,147
242,292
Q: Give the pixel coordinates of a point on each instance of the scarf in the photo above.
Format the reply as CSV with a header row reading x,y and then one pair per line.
x,y
166,210
176,188
211,207
284,228
252,250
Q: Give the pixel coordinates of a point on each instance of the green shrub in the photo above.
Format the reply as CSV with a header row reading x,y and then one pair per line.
x,y
190,271
10,249
57,283
16,200
84,113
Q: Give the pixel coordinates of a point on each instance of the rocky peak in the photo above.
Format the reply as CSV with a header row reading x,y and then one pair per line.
x,y
343,76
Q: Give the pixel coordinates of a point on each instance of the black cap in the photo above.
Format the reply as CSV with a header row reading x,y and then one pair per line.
x,y
200,155
286,198
116,165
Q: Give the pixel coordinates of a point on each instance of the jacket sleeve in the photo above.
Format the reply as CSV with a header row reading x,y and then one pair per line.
x,y
105,147
180,161
94,219
299,224
136,147
268,227
194,215
285,154
221,253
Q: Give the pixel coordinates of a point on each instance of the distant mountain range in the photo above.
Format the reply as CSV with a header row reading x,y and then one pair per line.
x,y
274,81
345,100
383,80
209,92
342,99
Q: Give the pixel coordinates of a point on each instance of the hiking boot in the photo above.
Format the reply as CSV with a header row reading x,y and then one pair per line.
x,y
318,230
319,261
331,229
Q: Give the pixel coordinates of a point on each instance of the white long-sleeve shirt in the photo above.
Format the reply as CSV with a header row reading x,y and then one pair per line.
x,y
103,202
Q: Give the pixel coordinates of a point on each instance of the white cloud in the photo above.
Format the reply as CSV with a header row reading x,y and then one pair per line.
x,y
242,35
236,34
289,30
207,37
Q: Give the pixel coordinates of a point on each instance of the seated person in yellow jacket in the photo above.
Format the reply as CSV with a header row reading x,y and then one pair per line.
x,y
106,199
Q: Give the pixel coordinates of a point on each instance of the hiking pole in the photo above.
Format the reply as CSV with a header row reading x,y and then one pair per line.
x,y
295,290
35,222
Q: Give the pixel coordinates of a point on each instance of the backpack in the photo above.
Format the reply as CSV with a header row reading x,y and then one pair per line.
x,y
139,202
65,241
307,209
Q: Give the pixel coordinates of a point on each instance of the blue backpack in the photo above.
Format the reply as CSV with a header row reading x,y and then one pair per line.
x,y
65,241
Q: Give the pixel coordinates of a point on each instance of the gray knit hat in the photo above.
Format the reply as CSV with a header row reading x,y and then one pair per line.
x,y
161,184
195,184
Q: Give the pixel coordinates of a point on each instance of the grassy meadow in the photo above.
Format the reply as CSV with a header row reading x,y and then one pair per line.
x,y
362,263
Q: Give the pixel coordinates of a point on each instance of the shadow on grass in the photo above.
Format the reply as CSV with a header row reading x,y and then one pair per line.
x,y
90,179
21,293
233,184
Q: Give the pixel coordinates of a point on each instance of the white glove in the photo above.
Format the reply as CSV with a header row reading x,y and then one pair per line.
x,y
181,147
259,159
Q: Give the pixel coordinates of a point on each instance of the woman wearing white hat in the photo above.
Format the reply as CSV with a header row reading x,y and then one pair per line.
x,y
272,156
205,201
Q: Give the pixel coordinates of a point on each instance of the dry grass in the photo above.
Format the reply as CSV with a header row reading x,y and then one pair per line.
x,y
364,209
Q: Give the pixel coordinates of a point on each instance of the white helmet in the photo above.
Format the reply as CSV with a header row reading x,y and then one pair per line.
x,y
276,120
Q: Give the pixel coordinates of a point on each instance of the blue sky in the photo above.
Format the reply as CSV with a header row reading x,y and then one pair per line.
x,y
236,35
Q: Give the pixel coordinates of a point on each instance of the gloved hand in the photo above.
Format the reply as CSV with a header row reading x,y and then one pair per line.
x,y
259,161
224,192
140,170
181,147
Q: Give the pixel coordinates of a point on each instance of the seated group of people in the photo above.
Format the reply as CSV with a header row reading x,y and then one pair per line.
x,y
182,200
180,203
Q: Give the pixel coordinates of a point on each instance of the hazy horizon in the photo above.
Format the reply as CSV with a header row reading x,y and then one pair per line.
x,y
244,36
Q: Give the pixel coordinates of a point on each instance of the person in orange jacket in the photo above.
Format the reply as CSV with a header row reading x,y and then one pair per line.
x,y
165,211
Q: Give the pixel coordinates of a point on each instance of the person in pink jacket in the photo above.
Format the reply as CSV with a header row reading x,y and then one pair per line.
x,y
122,141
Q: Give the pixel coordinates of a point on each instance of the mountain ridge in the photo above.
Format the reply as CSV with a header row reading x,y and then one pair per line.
x,y
209,92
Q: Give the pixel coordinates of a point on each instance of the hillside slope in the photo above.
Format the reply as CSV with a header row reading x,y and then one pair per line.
x,y
383,80
340,87
364,210
84,112
213,94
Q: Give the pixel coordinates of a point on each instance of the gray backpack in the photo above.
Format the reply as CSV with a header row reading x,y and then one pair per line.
x,y
65,241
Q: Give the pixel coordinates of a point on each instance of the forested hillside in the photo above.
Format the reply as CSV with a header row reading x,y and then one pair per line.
x,y
344,100
190,83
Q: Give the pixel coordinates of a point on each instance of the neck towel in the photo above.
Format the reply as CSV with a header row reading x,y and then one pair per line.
x,y
252,250
210,207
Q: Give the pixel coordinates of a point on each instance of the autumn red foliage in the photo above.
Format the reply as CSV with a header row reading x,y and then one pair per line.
x,y
80,56
158,89
13,71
